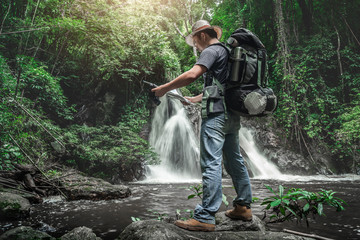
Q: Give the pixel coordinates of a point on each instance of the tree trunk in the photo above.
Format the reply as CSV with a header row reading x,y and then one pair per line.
x,y
340,64
282,42
57,56
306,15
288,72
32,23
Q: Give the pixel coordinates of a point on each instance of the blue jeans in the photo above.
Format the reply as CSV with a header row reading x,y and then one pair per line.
x,y
218,136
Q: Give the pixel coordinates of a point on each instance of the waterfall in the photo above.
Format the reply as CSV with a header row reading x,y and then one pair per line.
x,y
172,137
258,164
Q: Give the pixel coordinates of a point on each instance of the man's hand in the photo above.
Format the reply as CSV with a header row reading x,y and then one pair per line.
x,y
195,99
160,90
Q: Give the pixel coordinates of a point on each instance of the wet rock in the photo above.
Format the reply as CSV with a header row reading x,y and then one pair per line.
x,y
223,223
43,227
25,233
78,187
13,206
152,229
80,233
194,114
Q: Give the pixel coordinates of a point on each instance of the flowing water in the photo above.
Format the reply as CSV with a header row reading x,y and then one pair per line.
x,y
173,138
167,186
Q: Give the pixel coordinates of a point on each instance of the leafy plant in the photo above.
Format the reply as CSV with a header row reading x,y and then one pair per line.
x,y
135,219
190,213
158,216
299,204
197,189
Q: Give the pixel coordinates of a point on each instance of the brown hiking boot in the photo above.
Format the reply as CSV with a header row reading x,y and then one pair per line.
x,y
194,225
239,213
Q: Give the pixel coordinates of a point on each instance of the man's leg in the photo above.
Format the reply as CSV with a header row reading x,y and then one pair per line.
x,y
234,165
212,140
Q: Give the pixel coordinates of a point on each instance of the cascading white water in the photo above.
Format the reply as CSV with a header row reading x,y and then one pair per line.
x,y
258,163
173,138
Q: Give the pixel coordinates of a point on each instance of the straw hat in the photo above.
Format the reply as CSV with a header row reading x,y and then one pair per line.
x,y
200,26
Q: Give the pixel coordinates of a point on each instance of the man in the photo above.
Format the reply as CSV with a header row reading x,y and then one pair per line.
x,y
219,130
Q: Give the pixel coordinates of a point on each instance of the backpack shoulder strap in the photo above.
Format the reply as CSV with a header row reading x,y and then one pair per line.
x,y
221,44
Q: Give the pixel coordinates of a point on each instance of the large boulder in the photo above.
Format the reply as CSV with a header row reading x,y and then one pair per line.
x,y
80,233
152,229
78,187
13,206
25,233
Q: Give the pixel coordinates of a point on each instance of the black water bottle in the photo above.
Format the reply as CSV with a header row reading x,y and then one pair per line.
x,y
152,96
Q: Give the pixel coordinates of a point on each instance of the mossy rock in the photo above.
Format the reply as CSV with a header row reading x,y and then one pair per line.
x,y
25,233
13,206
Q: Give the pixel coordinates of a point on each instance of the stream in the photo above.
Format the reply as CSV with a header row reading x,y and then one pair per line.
x,y
166,188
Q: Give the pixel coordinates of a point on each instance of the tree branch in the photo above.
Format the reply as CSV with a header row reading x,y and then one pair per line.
x,y
178,30
306,235
2,24
351,30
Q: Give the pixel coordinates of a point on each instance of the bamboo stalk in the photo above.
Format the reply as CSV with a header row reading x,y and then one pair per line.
x,y
36,165
30,30
351,30
306,235
38,123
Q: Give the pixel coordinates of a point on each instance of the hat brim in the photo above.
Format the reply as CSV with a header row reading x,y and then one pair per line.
x,y
189,38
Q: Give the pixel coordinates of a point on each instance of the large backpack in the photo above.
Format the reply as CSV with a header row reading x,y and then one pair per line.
x,y
246,90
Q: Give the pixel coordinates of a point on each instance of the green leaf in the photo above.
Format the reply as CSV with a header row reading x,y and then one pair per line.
x,y
282,210
224,199
270,189
290,210
287,202
191,196
281,191
275,203
306,207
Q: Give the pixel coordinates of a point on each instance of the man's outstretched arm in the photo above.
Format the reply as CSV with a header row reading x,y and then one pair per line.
x,y
183,80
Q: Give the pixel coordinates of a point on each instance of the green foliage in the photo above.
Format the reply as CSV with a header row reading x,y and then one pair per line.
x,y
107,149
299,204
39,86
136,114
8,155
228,15
52,173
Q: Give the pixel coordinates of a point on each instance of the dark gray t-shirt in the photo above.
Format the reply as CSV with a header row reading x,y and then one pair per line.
x,y
215,58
